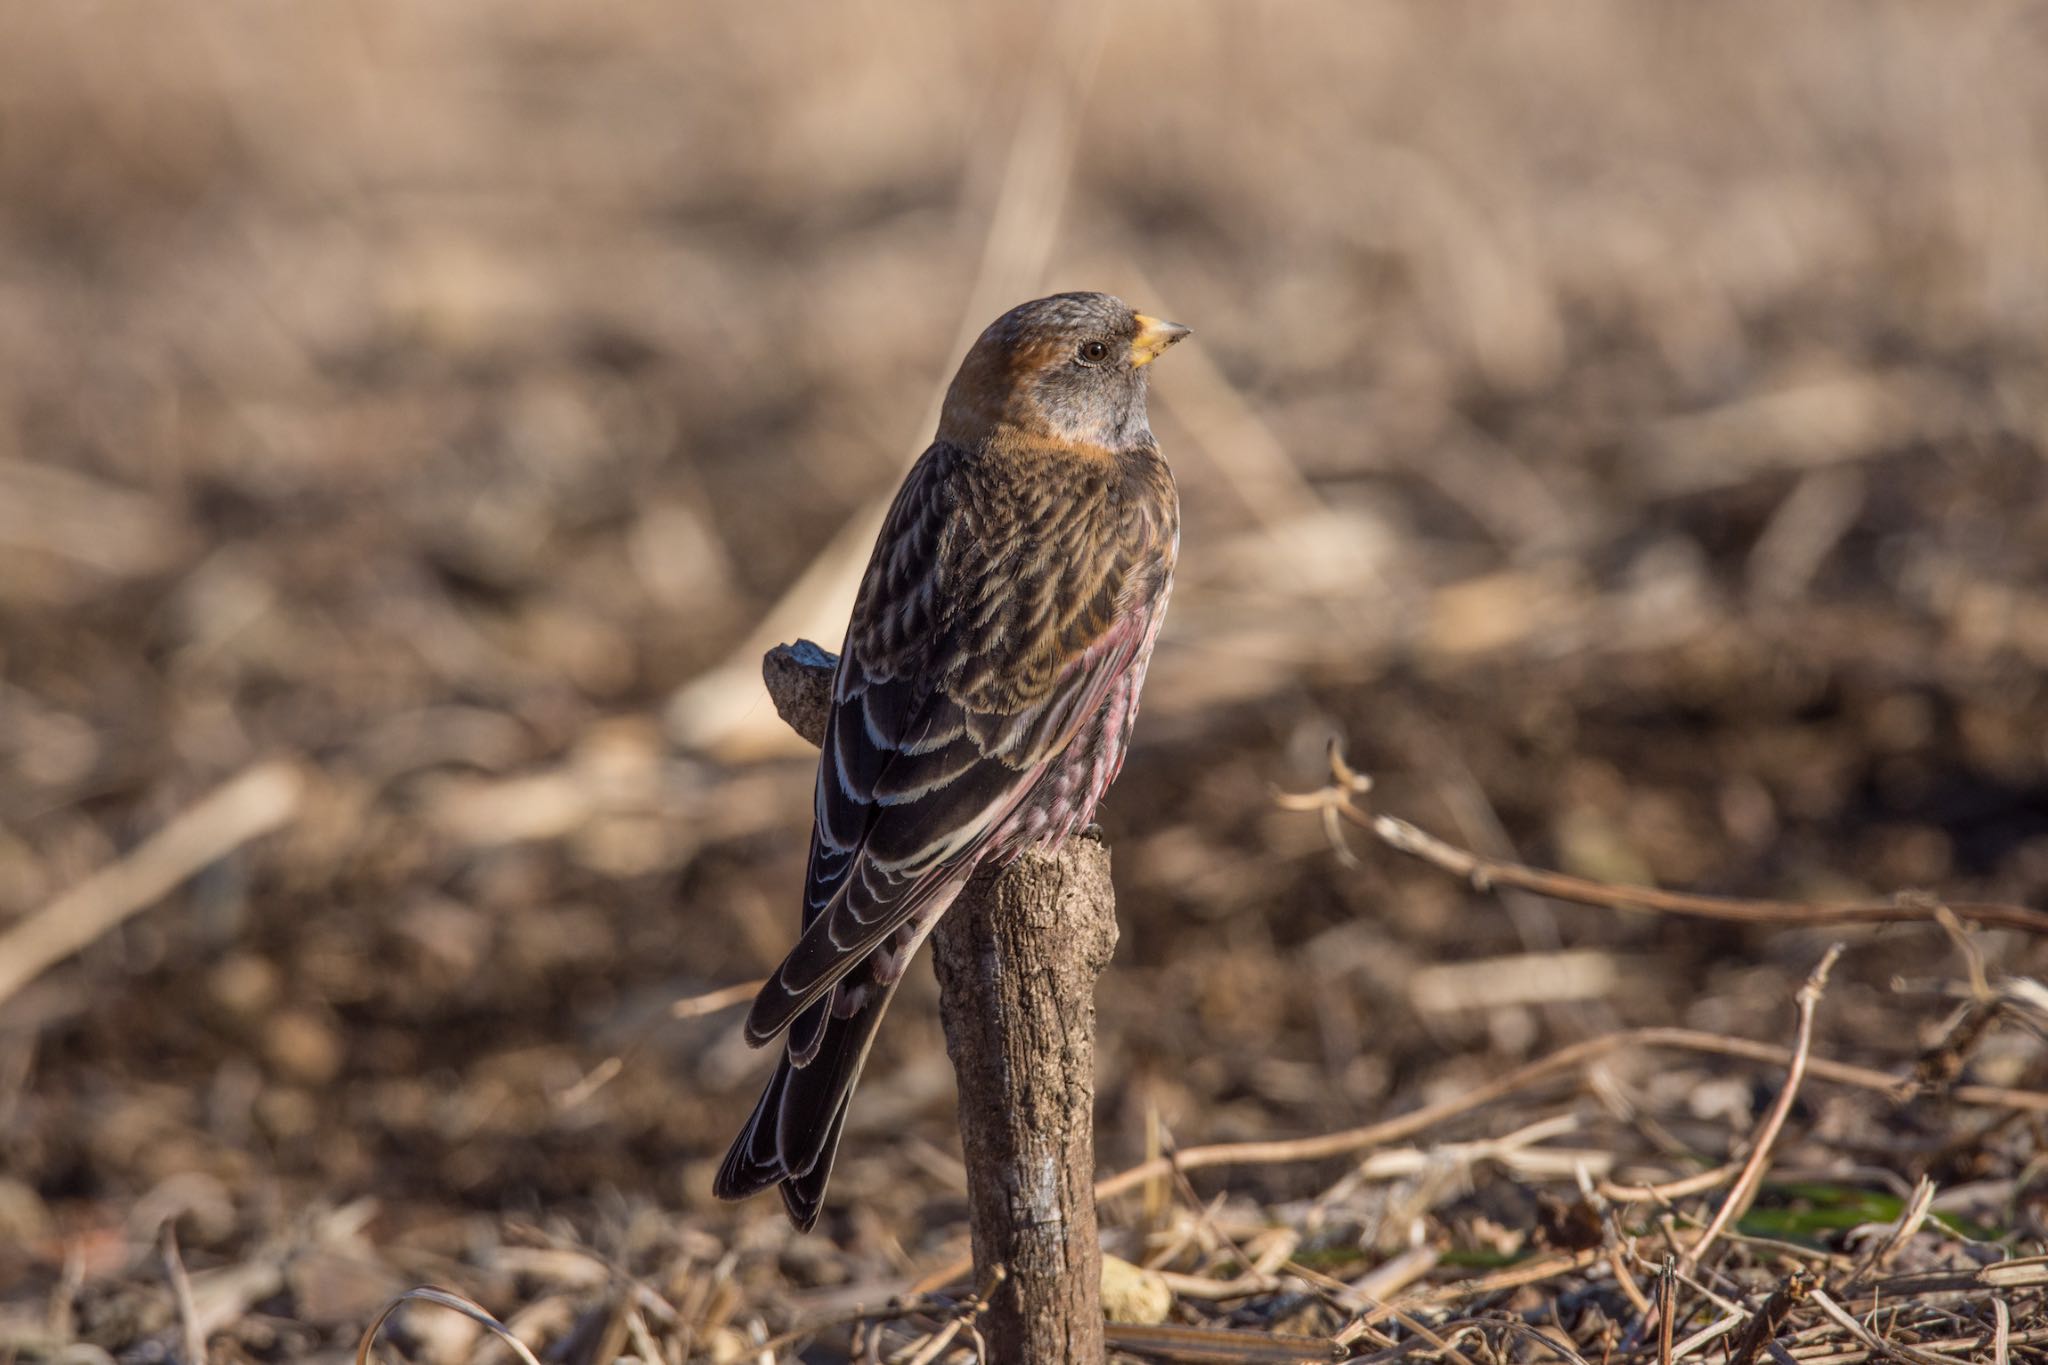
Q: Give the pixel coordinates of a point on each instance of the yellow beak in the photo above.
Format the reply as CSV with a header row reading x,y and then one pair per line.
x,y
1154,335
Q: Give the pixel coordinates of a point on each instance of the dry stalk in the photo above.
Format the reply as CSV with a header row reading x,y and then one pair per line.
x,y
901,1310
2029,1272
1667,1310
1713,1331
1392,1276
1666,1191
258,801
1339,800
1870,1339
181,1290
1626,1282
689,1007
1566,1059
969,1311
1909,1222
1766,1322
643,1340
1752,1174
1208,1346
1514,1277
446,1298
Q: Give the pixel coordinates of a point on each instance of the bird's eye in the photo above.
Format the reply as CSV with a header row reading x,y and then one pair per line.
x,y
1094,352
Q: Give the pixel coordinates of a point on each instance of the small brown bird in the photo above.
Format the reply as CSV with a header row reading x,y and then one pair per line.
x,y
984,695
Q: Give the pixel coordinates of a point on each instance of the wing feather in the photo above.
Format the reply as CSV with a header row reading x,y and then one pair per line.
x,y
984,638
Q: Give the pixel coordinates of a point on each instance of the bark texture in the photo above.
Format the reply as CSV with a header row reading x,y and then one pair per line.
x,y
1017,959
799,679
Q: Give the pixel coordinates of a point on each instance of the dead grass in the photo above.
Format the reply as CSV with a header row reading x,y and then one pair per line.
x,y
1623,425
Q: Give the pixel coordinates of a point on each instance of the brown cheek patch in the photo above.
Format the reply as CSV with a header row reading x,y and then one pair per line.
x,y
1005,394
1026,361
1036,354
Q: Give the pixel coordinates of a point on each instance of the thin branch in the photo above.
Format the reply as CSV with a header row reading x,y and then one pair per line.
x,y
2029,1272
1666,1191
1768,1321
1667,1310
1902,1230
181,1290
1745,1187
711,1002
965,1317
1514,1277
1340,799
1870,1339
898,1310
253,804
688,1007
446,1298
1566,1059
1218,1347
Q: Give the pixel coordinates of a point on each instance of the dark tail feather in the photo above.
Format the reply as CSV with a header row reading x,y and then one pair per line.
x,y
753,1165
804,1195
806,1132
793,1135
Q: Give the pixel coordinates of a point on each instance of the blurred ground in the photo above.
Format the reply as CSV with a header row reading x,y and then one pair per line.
x,y
1626,426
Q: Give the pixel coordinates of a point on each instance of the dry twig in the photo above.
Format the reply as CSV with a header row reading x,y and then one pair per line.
x,y
1767,1321
689,1007
446,1298
1339,800
251,805
1752,1175
181,1290
1566,1059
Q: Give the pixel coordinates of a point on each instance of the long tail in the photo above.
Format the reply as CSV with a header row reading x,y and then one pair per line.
x,y
794,1133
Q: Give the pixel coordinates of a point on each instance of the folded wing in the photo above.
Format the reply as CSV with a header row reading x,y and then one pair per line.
x,y
974,656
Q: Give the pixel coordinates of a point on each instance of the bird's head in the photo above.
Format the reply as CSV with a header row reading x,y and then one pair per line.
x,y
1069,369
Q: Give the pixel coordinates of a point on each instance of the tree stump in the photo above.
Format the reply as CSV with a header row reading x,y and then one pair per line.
x,y
1017,957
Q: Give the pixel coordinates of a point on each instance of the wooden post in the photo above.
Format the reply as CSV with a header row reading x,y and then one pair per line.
x,y
1017,958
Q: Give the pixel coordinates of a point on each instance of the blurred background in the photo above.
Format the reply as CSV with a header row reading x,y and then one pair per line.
x,y
1623,426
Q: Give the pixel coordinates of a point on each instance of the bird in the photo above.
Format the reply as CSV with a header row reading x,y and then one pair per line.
x,y
984,695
